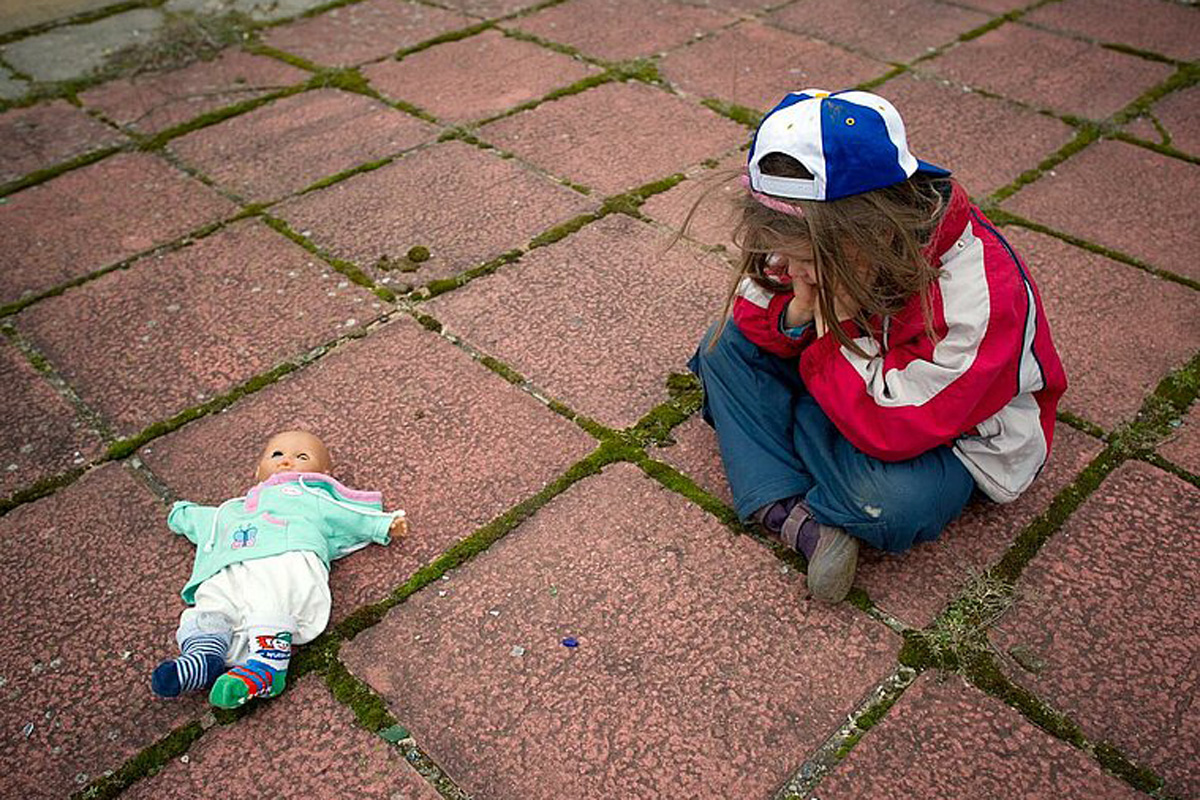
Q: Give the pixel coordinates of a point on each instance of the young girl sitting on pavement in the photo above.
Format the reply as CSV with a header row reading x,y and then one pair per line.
x,y
889,351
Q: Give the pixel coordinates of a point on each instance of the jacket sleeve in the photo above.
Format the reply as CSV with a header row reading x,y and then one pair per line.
x,y
759,316
353,526
918,395
191,520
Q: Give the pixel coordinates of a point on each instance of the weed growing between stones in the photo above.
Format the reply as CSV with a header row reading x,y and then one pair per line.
x,y
182,40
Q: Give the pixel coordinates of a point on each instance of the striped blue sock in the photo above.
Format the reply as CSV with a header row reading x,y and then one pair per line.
x,y
201,663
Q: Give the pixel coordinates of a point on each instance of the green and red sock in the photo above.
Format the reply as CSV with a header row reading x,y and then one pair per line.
x,y
263,675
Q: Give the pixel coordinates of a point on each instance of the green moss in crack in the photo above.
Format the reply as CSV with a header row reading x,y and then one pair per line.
x,y
369,708
146,763
1115,762
739,114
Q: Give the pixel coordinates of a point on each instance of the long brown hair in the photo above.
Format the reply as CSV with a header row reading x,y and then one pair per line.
x,y
886,229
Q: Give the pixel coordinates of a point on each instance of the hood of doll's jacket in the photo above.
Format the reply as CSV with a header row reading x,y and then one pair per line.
x,y
315,480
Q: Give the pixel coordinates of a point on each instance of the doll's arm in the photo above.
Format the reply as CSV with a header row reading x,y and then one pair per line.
x,y
352,527
190,520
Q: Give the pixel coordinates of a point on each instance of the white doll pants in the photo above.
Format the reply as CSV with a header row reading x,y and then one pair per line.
x,y
289,591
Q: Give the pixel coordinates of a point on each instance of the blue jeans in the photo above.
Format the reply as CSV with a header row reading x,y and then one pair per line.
x,y
776,443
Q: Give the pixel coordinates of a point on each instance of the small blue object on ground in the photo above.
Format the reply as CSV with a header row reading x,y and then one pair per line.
x,y
570,641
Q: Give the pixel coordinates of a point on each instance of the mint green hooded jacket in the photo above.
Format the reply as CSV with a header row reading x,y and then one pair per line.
x,y
287,512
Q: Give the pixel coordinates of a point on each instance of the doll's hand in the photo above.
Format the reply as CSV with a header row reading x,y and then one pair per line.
x,y
399,527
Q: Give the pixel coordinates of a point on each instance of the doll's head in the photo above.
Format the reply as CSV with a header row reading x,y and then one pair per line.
x,y
293,451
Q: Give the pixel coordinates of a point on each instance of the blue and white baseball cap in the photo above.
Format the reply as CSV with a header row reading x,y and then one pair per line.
x,y
851,142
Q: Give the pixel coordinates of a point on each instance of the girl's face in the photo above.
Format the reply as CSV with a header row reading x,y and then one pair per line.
x,y
796,263
800,263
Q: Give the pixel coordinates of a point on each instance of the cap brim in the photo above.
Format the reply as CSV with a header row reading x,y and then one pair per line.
x,y
931,169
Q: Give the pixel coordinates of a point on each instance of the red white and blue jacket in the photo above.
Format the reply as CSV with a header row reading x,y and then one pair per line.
x,y
987,384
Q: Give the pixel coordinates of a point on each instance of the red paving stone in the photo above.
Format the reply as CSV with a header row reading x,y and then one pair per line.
x,y
616,137
155,101
77,223
42,435
1143,128
41,136
490,205
1166,28
677,689
946,739
916,585
1183,447
610,360
715,216
293,142
1150,217
1051,71
1108,609
303,744
365,31
602,28
986,142
406,413
1179,113
1118,330
755,65
894,30
477,77
695,454
89,584
178,329
995,7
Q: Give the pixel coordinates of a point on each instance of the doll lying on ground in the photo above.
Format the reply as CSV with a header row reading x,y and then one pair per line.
x,y
261,578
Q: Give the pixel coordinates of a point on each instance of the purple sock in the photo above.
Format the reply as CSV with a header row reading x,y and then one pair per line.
x,y
791,519
773,516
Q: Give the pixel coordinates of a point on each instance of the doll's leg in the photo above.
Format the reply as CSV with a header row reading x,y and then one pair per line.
x,y
287,602
748,399
203,638
265,672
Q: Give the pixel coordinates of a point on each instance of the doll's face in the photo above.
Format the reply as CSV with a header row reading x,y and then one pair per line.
x,y
293,451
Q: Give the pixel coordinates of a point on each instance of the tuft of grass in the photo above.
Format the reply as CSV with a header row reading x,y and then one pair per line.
x,y
182,40
960,632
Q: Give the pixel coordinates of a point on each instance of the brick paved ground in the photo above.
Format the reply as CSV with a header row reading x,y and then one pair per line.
x,y
196,253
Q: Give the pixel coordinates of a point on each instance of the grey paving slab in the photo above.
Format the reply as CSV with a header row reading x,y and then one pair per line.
x,y
258,10
16,15
75,51
11,87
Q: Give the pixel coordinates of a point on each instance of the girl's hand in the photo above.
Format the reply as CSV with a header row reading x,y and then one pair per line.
x,y
399,527
800,308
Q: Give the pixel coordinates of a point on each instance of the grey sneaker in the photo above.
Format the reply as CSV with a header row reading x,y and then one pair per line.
x,y
831,565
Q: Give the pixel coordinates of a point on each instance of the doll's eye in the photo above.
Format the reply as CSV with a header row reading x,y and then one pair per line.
x,y
303,456
277,454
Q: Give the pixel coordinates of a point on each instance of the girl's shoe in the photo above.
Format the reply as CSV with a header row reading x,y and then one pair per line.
x,y
831,552
832,563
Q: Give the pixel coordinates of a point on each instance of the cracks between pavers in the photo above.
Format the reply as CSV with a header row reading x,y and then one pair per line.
x,y
957,641
837,745
120,448
643,461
